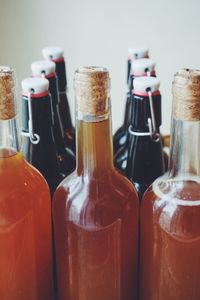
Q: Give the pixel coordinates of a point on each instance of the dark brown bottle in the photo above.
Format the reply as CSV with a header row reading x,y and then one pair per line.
x,y
55,54
140,67
65,156
38,145
119,137
145,160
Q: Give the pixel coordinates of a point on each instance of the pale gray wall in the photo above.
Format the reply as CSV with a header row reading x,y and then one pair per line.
x,y
99,33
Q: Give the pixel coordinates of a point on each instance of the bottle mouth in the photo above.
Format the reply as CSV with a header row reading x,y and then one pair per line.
x,y
92,90
7,93
186,95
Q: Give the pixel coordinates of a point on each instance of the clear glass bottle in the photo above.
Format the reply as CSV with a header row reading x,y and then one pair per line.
x,y
66,157
95,209
56,54
170,210
25,212
119,138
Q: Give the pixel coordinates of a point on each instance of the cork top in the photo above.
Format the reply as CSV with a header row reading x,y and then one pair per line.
x,y
7,93
92,85
186,95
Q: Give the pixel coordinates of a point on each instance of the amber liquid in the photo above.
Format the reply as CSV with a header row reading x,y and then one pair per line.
x,y
170,244
25,231
95,214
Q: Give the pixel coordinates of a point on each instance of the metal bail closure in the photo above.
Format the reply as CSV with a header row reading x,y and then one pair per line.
x,y
34,137
147,71
155,136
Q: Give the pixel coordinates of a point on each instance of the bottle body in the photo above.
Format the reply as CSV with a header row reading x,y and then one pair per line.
x,y
100,218
145,162
26,255
170,268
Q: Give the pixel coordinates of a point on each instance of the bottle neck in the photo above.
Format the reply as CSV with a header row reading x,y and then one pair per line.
x,y
184,158
94,148
141,112
42,120
53,89
61,74
9,139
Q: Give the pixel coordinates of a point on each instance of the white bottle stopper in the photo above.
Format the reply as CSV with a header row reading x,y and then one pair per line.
x,y
35,85
141,66
43,67
52,53
144,84
138,52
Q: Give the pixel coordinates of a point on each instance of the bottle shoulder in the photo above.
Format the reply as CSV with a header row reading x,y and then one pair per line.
x,y
87,199
113,180
173,204
22,175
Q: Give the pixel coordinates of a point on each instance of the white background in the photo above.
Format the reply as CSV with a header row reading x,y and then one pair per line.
x,y
98,33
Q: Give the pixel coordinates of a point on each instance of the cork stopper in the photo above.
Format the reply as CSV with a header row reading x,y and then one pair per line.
x,y
7,93
186,95
92,86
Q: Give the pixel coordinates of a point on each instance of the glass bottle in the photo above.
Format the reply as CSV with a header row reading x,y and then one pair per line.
x,y
25,212
56,54
37,117
170,211
95,209
119,138
145,160
66,157
140,67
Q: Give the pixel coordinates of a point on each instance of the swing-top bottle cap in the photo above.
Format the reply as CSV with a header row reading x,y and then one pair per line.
x,y
7,93
142,66
43,67
137,52
53,53
35,86
142,85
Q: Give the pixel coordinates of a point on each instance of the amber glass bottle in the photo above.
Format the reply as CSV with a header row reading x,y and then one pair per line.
x,y
119,138
65,156
41,150
170,211
95,210
139,67
25,214
56,54
145,161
